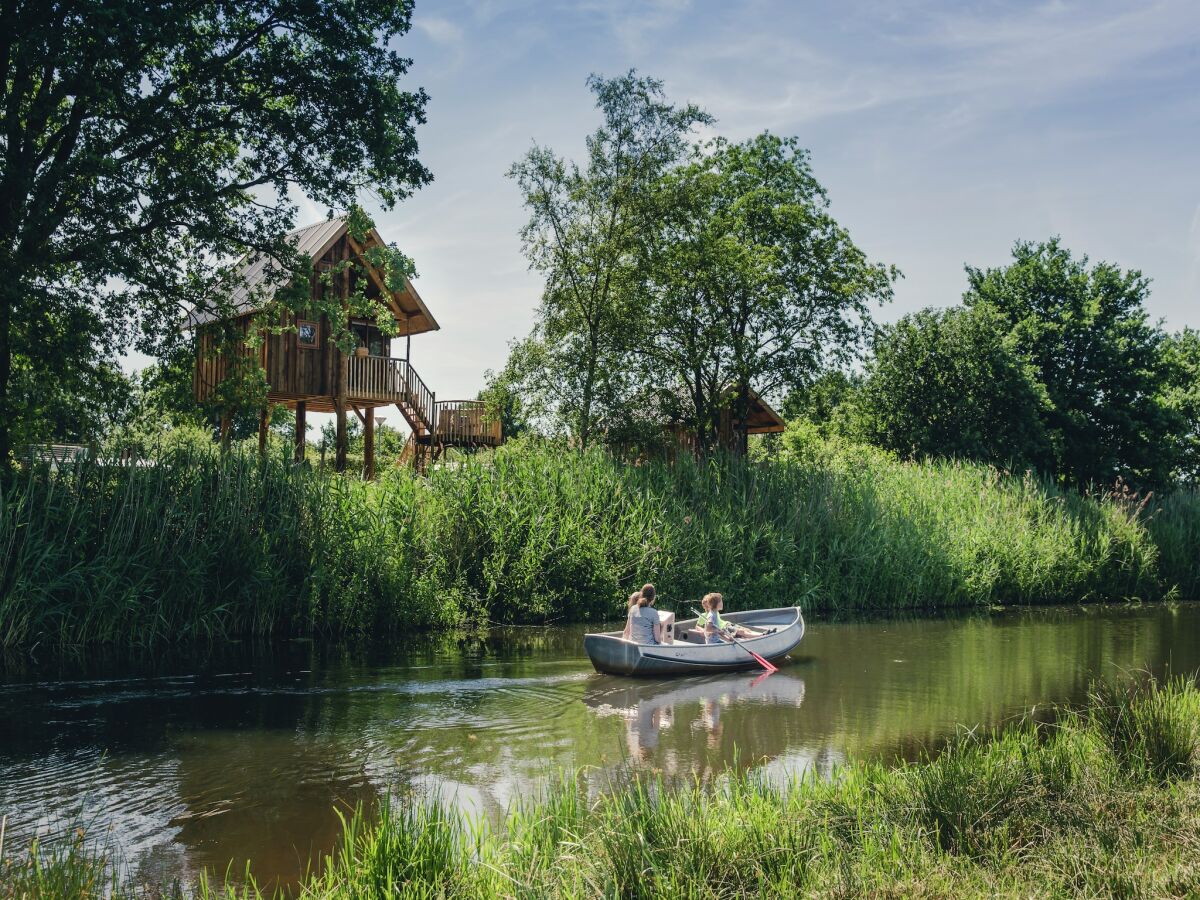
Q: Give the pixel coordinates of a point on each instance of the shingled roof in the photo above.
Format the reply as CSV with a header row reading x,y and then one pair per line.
x,y
260,276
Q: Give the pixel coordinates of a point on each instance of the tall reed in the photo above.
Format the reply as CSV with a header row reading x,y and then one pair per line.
x,y
196,545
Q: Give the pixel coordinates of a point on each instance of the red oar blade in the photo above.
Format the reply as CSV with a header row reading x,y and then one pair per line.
x,y
762,662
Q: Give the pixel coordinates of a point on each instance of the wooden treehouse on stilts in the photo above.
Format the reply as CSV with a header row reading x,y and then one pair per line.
x,y
306,371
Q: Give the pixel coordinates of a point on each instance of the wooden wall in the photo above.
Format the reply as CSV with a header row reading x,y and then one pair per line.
x,y
293,372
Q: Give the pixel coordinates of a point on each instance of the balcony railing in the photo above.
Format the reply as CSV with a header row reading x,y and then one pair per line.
x,y
390,380
467,422
385,379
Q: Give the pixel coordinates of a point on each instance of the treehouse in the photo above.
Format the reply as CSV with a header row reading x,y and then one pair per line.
x,y
304,368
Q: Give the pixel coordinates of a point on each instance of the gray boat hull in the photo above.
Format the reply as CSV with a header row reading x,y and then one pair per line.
x,y
612,654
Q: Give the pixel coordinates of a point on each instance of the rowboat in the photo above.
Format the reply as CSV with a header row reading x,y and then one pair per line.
x,y
689,655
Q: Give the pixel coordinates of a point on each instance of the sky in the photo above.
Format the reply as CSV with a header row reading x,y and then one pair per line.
x,y
942,131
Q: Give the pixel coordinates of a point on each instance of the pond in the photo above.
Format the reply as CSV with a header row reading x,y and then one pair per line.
x,y
245,751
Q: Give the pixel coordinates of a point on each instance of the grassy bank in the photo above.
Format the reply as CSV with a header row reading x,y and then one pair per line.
x,y
198,546
1105,802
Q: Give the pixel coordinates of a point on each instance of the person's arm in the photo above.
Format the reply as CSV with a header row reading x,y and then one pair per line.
x,y
628,632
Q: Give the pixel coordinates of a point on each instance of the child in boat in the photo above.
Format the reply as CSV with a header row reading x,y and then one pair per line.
x,y
715,628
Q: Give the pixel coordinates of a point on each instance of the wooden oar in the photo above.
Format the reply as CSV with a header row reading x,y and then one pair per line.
x,y
761,661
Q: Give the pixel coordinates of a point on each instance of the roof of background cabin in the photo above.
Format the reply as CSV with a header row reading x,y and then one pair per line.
x,y
258,274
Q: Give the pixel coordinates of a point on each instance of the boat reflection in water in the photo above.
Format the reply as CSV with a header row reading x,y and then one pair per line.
x,y
678,727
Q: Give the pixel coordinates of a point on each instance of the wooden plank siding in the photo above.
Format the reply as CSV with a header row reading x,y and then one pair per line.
x,y
307,377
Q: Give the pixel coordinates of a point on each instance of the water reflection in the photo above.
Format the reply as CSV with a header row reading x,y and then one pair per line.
x,y
245,751
690,711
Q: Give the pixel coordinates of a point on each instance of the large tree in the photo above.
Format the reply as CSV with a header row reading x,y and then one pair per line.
x,y
951,383
1181,395
1086,332
586,223
146,146
755,285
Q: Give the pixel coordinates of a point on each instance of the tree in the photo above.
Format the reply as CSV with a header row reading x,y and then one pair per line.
x,y
146,146
951,383
1181,355
755,286
823,401
1086,332
585,224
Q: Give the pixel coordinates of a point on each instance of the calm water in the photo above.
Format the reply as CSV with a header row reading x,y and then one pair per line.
x,y
246,752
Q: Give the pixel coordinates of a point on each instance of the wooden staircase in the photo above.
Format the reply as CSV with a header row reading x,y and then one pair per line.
x,y
435,425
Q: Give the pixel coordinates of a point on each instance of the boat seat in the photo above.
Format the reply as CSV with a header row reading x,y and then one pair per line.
x,y
694,635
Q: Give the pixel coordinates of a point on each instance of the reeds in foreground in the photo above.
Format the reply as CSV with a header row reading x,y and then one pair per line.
x,y
1084,807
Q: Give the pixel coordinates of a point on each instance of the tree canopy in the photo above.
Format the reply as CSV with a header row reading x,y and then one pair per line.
x,y
679,278
1086,332
148,146
585,225
753,285
951,383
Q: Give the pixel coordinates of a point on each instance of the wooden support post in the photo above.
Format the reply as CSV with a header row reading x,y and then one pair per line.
x,y
369,444
301,429
264,419
226,426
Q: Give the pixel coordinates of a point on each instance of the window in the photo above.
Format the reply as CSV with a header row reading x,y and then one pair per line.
x,y
307,335
371,337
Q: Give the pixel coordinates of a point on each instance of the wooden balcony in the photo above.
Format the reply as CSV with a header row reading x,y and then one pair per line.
x,y
467,422
453,423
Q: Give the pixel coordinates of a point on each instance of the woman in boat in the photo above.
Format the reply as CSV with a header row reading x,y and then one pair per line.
x,y
633,602
666,634
642,625
716,628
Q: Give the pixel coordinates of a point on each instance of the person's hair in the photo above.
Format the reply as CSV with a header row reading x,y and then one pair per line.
x,y
711,600
635,599
648,593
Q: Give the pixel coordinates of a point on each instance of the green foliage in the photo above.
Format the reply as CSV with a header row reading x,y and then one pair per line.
x,y
1151,730
952,383
1181,395
585,224
820,400
193,544
1174,525
150,145
1086,332
752,283
1031,811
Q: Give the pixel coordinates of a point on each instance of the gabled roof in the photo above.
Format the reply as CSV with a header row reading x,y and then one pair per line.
x,y
762,418
260,277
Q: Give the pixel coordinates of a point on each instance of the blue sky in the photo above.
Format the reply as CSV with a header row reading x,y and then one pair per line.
x,y
943,132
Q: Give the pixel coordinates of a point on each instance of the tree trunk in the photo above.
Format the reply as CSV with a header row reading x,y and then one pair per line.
x,y
226,427
585,405
264,419
301,428
342,441
5,374
369,444
739,413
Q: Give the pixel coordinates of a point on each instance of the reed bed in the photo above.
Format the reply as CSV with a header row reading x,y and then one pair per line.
x,y
1077,808
200,546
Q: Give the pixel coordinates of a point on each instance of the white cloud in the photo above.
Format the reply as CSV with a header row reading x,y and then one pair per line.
x,y
439,30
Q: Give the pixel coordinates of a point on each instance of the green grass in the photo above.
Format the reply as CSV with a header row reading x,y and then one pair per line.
x,y
198,546
1103,803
